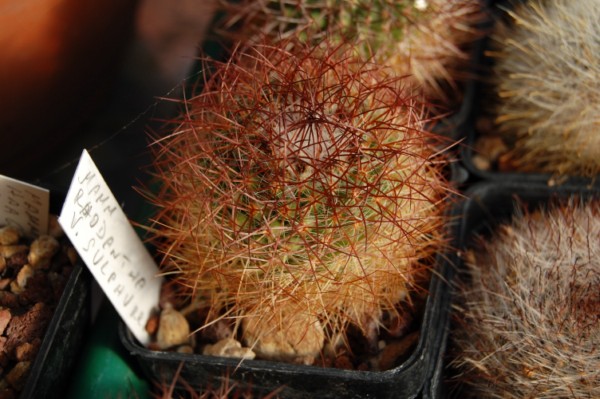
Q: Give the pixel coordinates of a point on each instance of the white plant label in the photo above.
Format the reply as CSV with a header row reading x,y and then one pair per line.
x,y
106,241
24,206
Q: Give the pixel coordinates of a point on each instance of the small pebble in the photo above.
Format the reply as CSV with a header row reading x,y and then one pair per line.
x,y
17,377
42,250
229,347
185,349
8,251
54,228
395,350
9,235
343,362
173,329
300,340
24,274
9,299
152,324
5,317
217,331
481,163
72,255
7,393
28,350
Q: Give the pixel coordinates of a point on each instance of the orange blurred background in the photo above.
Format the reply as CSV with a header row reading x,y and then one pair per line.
x,y
73,72
58,59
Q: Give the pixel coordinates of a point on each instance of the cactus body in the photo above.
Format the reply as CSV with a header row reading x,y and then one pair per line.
x,y
529,322
546,78
299,186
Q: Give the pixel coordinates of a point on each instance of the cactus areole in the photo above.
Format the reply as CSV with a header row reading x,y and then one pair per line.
x,y
299,191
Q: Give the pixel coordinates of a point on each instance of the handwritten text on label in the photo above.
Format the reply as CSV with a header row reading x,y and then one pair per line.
x,y
110,248
24,206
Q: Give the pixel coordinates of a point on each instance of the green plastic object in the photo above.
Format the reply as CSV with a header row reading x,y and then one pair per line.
x,y
104,370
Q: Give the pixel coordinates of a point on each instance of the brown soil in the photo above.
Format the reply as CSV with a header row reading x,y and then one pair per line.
x,y
30,289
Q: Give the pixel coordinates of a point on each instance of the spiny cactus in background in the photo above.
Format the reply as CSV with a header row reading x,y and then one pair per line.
x,y
529,323
427,39
300,195
546,80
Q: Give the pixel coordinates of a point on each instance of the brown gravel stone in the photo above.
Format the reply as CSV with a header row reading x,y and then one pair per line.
x,y
17,377
28,350
24,274
7,393
57,284
9,300
228,347
5,317
42,250
38,289
72,255
9,251
28,326
363,367
152,324
9,235
54,228
217,331
26,311
185,349
343,362
396,350
173,329
17,260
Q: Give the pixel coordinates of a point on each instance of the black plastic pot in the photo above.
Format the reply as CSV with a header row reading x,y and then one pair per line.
x,y
50,373
475,70
299,381
295,381
465,120
487,205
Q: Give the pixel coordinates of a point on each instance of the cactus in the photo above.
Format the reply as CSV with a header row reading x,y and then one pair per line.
x,y
300,195
528,314
425,39
546,87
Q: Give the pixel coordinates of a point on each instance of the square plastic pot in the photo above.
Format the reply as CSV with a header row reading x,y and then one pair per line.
x,y
300,381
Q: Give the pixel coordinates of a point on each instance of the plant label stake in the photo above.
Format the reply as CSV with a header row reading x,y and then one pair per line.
x,y
24,206
110,247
